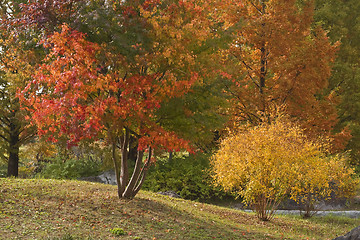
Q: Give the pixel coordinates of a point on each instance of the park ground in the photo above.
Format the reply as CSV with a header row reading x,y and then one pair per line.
x,y
68,210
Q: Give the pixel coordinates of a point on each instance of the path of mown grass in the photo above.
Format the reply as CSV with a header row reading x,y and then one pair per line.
x,y
52,209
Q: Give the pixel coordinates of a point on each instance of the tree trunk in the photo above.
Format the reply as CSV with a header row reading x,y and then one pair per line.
x,y
142,174
116,168
129,191
170,156
128,188
124,168
13,162
13,150
262,79
263,67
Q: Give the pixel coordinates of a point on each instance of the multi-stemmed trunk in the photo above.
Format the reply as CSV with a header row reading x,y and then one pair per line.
x,y
308,206
265,207
128,186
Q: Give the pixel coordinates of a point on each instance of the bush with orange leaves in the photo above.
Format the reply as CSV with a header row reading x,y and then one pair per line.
x,y
270,162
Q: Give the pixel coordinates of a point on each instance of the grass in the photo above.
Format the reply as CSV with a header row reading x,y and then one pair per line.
x,y
67,210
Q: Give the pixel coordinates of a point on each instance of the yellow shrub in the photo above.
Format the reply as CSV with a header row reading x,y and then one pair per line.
x,y
266,163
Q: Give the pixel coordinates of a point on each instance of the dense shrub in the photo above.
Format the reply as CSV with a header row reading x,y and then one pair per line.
x,y
70,169
187,176
272,161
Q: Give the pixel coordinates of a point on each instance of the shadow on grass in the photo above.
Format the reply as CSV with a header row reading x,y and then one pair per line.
x,y
49,209
171,219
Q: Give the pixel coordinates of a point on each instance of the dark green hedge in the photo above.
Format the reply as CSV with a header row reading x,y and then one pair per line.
x,y
188,176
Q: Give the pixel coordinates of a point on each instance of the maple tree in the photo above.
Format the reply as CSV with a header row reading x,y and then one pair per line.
x,y
278,58
119,26
91,90
267,163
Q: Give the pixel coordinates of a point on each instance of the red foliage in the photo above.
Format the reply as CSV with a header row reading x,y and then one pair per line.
x,y
71,98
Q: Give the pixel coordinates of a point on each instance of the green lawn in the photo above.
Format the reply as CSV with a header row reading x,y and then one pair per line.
x,y
53,209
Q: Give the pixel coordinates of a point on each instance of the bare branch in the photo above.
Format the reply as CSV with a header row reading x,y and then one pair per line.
x,y
3,137
5,120
256,7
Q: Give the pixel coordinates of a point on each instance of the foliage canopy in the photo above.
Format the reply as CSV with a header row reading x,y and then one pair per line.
x,y
87,89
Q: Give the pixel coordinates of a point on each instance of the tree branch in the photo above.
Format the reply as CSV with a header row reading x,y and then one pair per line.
x,y
256,7
293,86
5,120
143,172
249,68
3,137
27,138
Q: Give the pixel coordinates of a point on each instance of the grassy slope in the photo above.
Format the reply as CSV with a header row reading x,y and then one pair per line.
x,y
51,209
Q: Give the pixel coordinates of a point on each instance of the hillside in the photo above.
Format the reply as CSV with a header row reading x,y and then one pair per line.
x,y
52,209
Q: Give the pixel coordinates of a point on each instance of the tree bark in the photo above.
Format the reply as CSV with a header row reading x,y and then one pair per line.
x,y
128,188
124,168
170,156
129,191
143,172
13,150
116,168
263,65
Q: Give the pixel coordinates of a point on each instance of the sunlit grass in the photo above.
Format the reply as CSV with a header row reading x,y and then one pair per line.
x,y
53,209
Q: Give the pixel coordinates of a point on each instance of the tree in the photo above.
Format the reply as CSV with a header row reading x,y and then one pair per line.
x,y
119,27
340,19
277,58
269,162
198,114
86,90
16,65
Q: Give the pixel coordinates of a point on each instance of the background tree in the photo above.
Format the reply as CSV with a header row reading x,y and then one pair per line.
x,y
278,58
269,162
198,114
16,66
340,19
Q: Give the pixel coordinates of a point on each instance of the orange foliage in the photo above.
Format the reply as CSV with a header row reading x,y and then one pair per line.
x,y
276,59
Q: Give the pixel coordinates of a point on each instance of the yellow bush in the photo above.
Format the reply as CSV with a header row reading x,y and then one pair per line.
x,y
267,163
